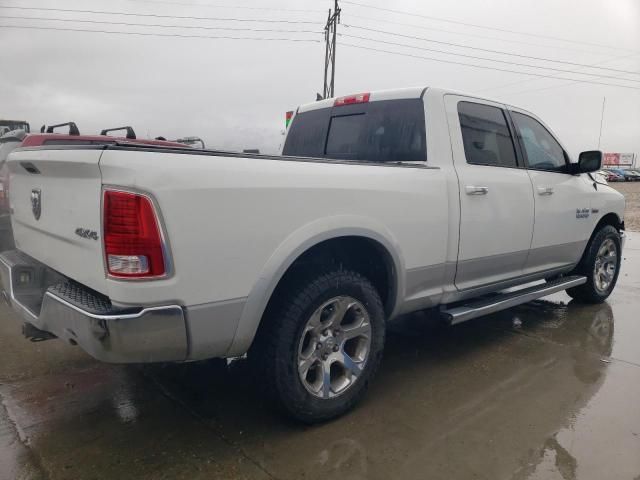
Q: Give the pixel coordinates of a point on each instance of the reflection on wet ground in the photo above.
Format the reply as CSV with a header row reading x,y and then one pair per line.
x,y
548,390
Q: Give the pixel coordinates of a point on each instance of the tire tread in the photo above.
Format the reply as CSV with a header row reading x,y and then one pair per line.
x,y
587,292
271,354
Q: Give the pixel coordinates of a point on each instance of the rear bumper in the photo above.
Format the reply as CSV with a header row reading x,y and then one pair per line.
x,y
82,317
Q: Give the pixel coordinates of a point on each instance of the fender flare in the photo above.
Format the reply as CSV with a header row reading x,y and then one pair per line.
x,y
292,248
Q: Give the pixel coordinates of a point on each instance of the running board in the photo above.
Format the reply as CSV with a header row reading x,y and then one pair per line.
x,y
463,312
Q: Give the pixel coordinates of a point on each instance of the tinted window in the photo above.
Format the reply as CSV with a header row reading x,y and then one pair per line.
x,y
383,131
542,151
308,134
345,135
486,136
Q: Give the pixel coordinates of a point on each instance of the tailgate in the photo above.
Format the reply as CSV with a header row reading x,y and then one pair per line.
x,y
55,196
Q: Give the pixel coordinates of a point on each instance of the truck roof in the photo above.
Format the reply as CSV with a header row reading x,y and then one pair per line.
x,y
391,94
376,95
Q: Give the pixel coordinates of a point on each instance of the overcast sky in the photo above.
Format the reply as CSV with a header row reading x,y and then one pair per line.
x,y
234,93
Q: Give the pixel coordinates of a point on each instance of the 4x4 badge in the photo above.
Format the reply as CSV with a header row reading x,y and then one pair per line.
x,y
36,203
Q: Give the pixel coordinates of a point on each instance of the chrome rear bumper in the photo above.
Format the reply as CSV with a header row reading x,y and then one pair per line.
x,y
82,317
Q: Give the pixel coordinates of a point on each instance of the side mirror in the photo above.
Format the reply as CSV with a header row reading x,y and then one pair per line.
x,y
590,161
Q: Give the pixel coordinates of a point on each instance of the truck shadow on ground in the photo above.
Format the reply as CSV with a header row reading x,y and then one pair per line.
x,y
420,351
513,378
504,383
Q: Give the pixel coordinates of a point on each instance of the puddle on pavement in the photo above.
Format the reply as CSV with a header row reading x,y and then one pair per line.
x,y
112,422
486,398
483,399
551,395
16,460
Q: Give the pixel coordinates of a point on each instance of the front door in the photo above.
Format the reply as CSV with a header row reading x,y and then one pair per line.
x,y
496,195
563,209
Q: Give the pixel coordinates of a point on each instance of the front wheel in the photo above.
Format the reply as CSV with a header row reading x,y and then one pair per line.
x,y
321,345
601,266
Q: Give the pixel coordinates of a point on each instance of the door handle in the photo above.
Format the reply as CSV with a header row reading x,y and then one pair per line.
x,y
475,190
545,190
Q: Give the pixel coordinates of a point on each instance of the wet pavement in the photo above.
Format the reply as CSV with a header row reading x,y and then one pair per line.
x,y
549,390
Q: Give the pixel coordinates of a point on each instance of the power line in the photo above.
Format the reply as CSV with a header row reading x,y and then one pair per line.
x,y
105,22
483,58
485,67
475,35
148,34
475,25
488,50
511,84
532,90
240,7
154,15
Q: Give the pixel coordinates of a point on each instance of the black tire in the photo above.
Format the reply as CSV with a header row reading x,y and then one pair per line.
x,y
589,292
275,353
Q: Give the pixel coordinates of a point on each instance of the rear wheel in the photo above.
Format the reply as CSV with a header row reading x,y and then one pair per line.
x,y
601,266
321,345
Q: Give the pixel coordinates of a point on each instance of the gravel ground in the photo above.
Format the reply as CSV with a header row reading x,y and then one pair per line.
x,y
631,191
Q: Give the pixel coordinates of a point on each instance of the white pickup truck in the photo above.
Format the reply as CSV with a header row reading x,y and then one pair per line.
x,y
382,203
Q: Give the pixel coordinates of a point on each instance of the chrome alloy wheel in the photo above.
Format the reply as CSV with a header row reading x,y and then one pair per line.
x,y
606,265
334,347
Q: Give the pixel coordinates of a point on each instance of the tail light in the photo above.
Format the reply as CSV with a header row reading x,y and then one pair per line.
x,y
132,237
352,99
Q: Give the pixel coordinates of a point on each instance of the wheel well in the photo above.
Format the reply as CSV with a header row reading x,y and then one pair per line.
x,y
609,219
364,255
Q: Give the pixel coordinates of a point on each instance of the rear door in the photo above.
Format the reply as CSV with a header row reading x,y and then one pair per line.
x,y
496,195
55,199
563,201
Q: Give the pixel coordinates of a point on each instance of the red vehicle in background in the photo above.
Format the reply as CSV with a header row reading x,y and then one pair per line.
x,y
21,138
47,136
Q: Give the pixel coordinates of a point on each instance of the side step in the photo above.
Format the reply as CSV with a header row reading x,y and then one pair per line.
x,y
501,301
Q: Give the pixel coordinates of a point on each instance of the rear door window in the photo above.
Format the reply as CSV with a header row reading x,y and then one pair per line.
x,y
382,131
486,136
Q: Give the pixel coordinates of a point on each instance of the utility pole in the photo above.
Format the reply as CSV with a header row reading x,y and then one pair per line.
x,y
330,33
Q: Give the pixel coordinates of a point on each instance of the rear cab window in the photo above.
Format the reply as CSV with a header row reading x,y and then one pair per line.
x,y
377,131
